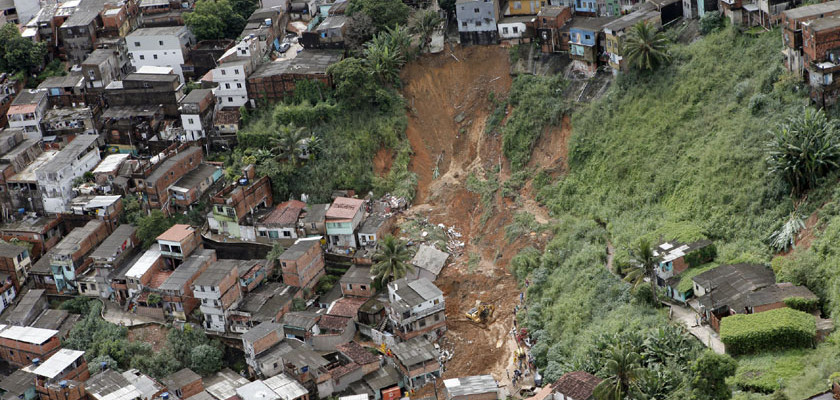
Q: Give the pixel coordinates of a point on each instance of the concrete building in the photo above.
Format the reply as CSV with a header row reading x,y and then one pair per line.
x,y
186,192
258,340
184,383
139,275
15,261
615,32
77,34
156,184
276,80
100,68
234,206
302,264
197,114
477,21
342,219
357,282
477,387
792,21
179,242
145,88
218,290
69,259
177,295
56,178
112,255
22,345
26,112
416,308
62,375
167,46
28,308
417,361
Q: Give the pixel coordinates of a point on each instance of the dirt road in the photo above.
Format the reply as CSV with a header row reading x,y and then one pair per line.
x,y
449,98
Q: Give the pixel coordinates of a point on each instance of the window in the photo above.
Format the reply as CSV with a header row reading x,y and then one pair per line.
x,y
223,72
314,226
349,286
239,86
230,212
273,235
515,29
363,287
262,233
422,322
478,23
437,317
190,121
586,37
154,56
236,71
230,99
227,85
436,301
160,42
287,234
142,57
464,24
505,30
475,10
517,5
136,44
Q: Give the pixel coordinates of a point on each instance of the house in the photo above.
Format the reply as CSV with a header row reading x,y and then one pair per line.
x,y
342,220
281,222
417,360
107,170
428,262
226,124
615,32
698,8
197,114
313,219
773,296
184,383
266,27
9,87
167,46
516,29
276,80
416,308
27,111
77,34
42,232
477,387
672,10
167,173
188,190
63,371
65,90
267,303
109,384
15,262
128,129
347,307
69,259
384,383
61,320
252,273
577,385
223,385
329,34
357,281
822,59
176,292
229,77
234,204
477,21
19,385
375,227
301,325
25,190
675,258
28,308
139,275
585,43
218,289
792,21
114,252
724,290
362,356
66,122
287,388
8,292
302,264
145,89
206,53
56,178
258,340
300,362
107,209
23,345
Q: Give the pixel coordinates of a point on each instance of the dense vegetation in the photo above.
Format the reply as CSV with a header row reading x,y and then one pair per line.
x,y
678,154
219,19
775,329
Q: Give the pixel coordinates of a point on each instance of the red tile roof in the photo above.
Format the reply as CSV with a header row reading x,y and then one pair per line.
x,y
577,384
338,372
344,208
333,322
177,233
347,306
285,213
357,353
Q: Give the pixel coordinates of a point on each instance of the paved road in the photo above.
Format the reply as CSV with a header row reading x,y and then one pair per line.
x,y
704,333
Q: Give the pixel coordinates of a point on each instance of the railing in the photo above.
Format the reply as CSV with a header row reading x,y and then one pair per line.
x,y
421,314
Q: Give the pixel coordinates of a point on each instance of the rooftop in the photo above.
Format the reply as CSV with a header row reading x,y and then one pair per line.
x,y
29,96
27,334
58,362
226,117
71,153
110,163
197,95
223,385
317,212
778,293
262,330
180,379
34,225
216,272
9,250
372,223
415,351
334,322
285,214
63,81
384,377
812,10
357,274
146,261
300,319
577,384
672,250
187,270
28,174
193,178
356,353
126,112
551,11
307,62
471,385
166,165
285,387
347,306
729,285
177,233
590,23
159,31
298,249
264,302
344,208
415,292
18,383
108,382
822,24
256,390
631,19
70,244
430,258
25,306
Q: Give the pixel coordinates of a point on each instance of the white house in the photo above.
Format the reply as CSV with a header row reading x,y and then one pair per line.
x,y
514,28
232,73
56,178
27,111
167,46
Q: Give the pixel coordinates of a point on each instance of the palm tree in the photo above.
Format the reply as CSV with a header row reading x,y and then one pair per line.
x,y
624,369
391,260
288,141
426,23
384,60
804,149
645,259
646,47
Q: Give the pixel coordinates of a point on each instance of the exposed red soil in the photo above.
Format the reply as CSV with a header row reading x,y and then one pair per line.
x,y
382,161
152,334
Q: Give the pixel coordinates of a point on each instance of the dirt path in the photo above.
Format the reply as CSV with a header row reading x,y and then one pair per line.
x,y
448,97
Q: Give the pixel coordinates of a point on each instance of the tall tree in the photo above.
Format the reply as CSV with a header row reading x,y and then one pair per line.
x,y
804,149
18,53
623,368
206,359
151,226
386,53
426,23
391,260
358,31
214,19
645,261
646,47
709,376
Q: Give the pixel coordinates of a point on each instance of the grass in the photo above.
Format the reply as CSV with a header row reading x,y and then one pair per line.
x,y
801,373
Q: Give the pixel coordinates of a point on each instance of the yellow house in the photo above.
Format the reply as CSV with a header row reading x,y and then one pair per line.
x,y
615,31
523,7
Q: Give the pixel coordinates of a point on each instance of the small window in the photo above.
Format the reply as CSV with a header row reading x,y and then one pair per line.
x,y
223,72
515,29
142,57
230,99
227,85
464,24
475,10
505,30
136,44
586,36
160,42
236,71
239,86
154,56
190,120
477,23
363,287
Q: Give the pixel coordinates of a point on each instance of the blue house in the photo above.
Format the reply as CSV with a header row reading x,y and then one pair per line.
x,y
585,42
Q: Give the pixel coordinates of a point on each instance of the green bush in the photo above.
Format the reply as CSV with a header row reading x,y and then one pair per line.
x,y
774,329
701,256
538,102
803,304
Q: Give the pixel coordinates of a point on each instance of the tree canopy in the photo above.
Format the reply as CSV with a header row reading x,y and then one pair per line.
x,y
645,47
804,149
215,19
383,13
710,371
391,260
18,53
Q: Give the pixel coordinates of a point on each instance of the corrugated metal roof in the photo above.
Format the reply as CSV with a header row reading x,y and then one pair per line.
x,y
285,387
58,362
471,385
27,334
143,264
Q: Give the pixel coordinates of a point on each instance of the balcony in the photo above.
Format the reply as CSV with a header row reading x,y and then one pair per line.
x,y
415,316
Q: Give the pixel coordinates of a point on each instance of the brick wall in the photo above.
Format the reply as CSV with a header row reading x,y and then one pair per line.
x,y
21,354
815,44
190,389
304,271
